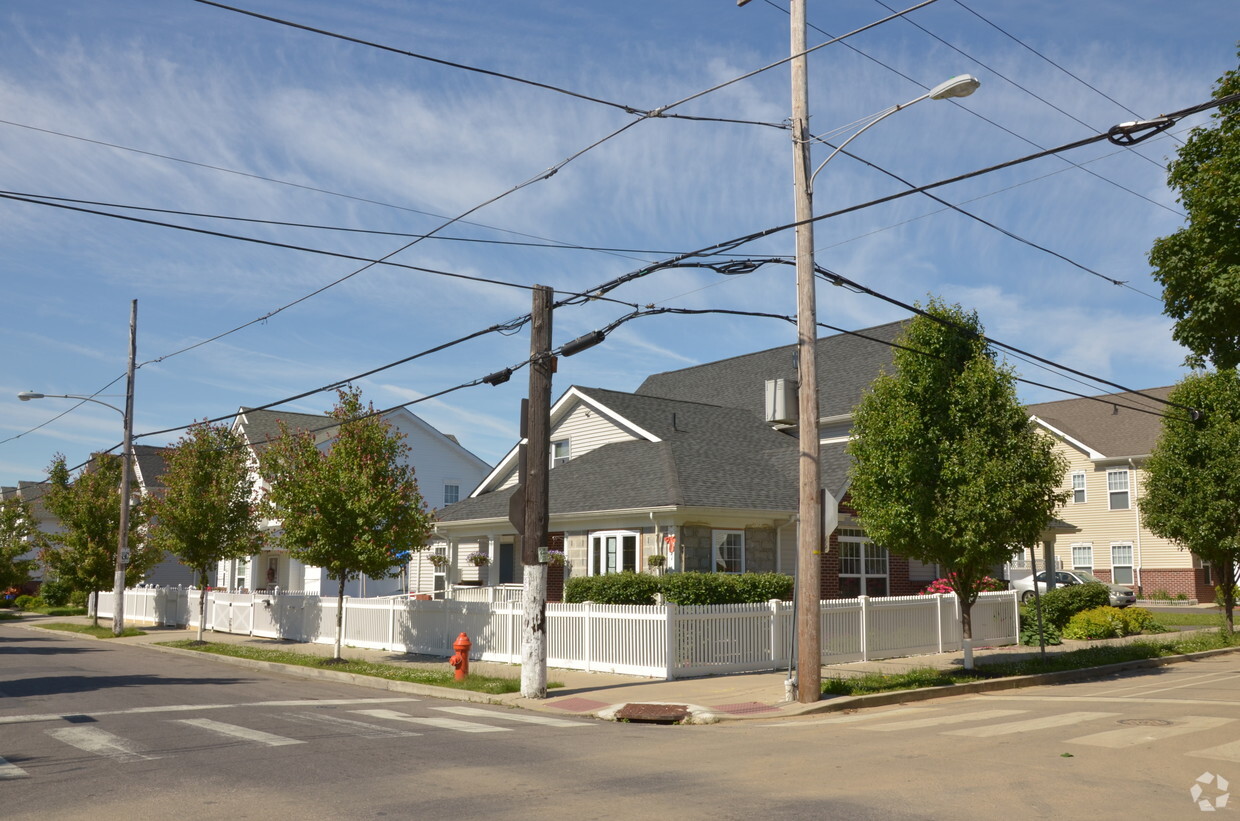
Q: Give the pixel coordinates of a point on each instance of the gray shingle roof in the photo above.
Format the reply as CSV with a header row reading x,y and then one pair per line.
x,y
708,457
847,364
1108,423
260,426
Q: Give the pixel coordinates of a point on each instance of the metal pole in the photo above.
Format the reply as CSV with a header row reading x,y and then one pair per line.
x,y
122,541
809,532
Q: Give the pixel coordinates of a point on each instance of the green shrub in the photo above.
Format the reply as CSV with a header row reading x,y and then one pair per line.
x,y
1098,623
762,587
1139,620
1062,603
55,592
26,602
614,588
1030,637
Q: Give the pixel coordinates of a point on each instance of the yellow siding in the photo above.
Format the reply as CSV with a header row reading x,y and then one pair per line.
x,y
1100,526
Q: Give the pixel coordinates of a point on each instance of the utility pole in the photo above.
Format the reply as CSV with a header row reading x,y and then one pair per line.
x,y
122,541
809,527
534,480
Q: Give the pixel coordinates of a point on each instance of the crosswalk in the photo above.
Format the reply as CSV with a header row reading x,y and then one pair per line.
x,y
992,723
367,723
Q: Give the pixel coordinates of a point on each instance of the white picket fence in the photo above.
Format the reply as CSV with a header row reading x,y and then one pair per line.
x,y
663,641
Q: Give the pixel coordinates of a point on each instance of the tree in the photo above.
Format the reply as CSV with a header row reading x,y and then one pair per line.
x,y
83,555
947,468
1199,265
1192,486
350,507
206,513
18,535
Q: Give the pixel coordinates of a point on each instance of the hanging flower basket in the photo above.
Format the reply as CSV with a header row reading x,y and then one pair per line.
x,y
656,560
555,557
438,560
478,559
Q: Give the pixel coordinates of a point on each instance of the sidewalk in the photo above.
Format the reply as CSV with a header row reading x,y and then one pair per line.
x,y
610,696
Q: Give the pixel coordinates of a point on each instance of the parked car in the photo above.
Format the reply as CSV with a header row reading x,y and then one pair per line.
x,y
1120,596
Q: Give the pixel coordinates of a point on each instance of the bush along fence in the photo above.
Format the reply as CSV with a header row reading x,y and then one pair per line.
x,y
661,641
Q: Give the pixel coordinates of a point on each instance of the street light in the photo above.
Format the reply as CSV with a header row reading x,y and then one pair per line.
x,y
122,541
809,480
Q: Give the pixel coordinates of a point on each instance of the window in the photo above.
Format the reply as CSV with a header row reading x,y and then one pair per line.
x,y
559,452
451,494
613,552
1117,488
1078,488
1083,557
729,550
863,565
1121,563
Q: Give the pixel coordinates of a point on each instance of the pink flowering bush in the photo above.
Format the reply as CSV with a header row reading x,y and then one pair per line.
x,y
946,585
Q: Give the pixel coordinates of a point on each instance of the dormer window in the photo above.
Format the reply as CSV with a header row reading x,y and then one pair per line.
x,y
559,452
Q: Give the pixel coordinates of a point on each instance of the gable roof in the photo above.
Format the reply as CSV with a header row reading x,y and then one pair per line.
x,y
701,456
260,426
847,364
1108,426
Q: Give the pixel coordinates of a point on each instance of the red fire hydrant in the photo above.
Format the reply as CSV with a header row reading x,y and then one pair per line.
x,y
460,661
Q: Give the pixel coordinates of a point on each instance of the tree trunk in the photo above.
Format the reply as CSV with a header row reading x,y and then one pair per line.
x,y
95,593
202,602
1228,586
966,630
339,617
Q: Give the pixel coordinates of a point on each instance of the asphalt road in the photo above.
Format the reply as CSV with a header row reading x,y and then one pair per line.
x,y
90,730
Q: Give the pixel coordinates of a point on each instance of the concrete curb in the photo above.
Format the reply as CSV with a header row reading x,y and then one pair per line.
x,y
996,685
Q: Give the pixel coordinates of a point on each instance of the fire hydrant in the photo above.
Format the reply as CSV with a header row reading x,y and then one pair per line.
x,y
460,661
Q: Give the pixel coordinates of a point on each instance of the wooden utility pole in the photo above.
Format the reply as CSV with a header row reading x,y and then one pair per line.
x,y
809,526
537,465
122,541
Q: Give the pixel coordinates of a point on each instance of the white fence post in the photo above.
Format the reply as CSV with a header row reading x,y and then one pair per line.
x,y
938,618
671,643
777,632
586,629
864,601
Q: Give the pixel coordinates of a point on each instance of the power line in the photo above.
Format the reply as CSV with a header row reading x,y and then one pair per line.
x,y
417,56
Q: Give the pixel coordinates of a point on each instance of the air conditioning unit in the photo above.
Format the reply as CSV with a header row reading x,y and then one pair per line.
x,y
781,401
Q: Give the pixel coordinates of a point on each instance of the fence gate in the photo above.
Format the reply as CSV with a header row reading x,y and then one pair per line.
x,y
229,616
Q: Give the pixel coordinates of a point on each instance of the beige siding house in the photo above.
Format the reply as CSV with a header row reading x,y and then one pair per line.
x,y
1106,441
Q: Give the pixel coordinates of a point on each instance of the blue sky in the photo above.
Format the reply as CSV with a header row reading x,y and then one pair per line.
x,y
182,106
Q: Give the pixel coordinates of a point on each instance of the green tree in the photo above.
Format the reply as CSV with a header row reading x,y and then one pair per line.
x,y
206,513
18,534
1199,265
83,554
351,506
1192,487
947,468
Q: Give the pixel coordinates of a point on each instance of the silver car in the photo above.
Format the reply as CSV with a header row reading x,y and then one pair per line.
x,y
1120,596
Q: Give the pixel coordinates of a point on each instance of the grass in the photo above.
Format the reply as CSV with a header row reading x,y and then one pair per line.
x,y
9,615
393,672
1055,662
100,632
1190,619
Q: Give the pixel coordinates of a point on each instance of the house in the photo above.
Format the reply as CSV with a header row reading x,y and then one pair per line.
x,y
687,468
1106,440
147,478
445,471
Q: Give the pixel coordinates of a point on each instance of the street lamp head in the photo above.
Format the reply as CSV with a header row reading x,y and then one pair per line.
x,y
26,396
962,85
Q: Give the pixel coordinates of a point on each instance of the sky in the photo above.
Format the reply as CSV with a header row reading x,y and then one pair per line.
x,y
185,114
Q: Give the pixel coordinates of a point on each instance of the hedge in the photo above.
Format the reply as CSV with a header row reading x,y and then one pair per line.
x,y
679,588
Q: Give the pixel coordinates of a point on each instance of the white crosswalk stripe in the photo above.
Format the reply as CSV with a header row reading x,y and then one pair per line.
x,y
1029,725
243,733
441,723
8,771
1224,752
524,718
362,729
1132,736
961,718
100,742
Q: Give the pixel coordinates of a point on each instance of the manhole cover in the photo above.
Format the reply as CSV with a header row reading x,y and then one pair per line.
x,y
1144,722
